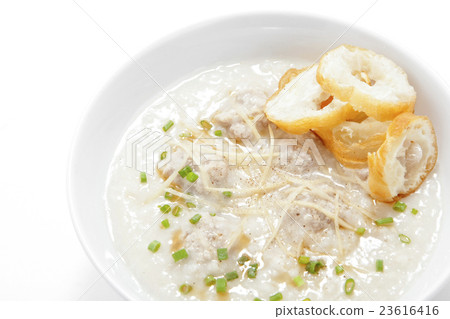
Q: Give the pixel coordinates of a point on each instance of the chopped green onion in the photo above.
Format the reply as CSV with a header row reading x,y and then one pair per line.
x,y
222,253
298,281
231,275
379,265
218,133
339,269
384,221
399,207
167,126
277,297
191,177
163,155
414,211
257,299
404,239
210,280
349,286
190,205
360,231
252,272
243,259
227,194
255,265
165,209
185,289
314,266
306,299
185,171
303,260
195,219
221,285
180,254
169,196
143,178
212,214
154,246
205,124
185,135
176,211
165,223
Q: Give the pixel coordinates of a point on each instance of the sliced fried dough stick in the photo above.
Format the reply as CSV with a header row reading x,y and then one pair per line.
x,y
350,142
370,82
405,158
299,104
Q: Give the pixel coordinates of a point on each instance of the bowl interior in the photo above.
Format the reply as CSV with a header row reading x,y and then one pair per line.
x,y
225,41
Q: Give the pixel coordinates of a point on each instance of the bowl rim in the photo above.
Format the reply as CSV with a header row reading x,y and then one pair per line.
x,y
256,17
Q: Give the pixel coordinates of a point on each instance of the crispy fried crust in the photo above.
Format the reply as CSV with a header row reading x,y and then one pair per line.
x,y
370,82
288,77
350,142
323,118
398,168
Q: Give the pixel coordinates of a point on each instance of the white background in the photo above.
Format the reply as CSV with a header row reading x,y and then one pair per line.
x,y
53,61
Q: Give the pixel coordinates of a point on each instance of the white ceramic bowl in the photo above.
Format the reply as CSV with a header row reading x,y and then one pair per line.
x,y
228,40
